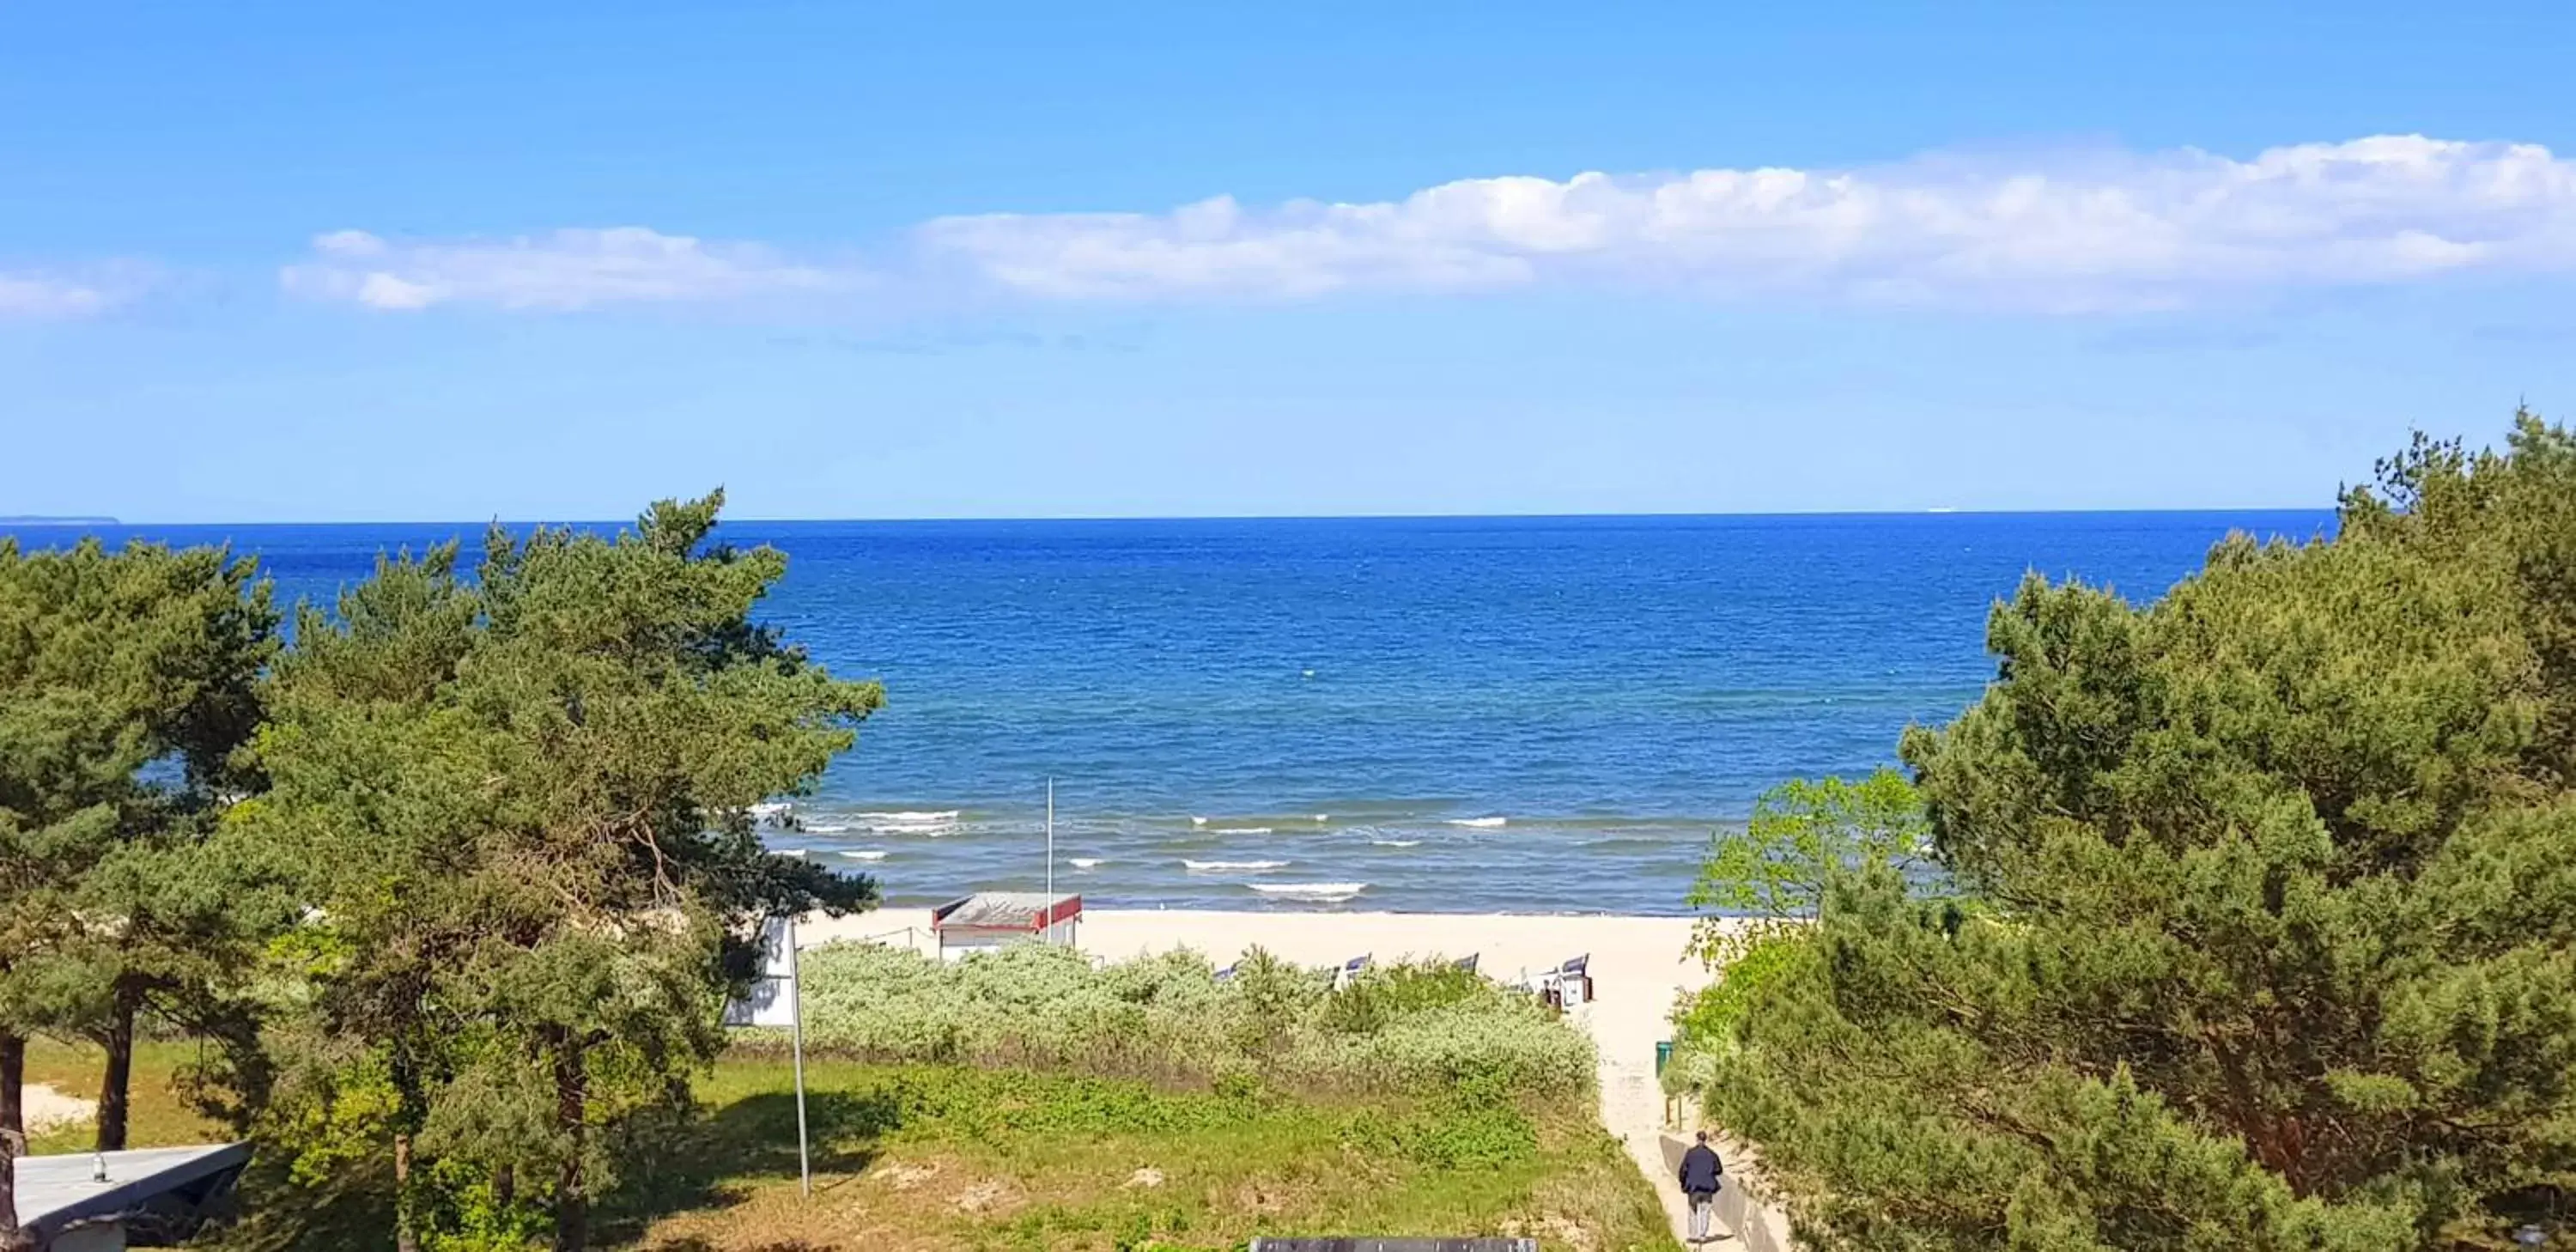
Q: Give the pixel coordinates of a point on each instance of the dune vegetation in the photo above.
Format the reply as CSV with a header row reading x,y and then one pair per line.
x,y
979,1142
1396,1029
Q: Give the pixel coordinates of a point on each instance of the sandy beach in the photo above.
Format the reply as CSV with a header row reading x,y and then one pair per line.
x,y
1637,964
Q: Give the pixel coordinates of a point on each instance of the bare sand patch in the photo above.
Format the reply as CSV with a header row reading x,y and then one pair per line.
x,y
45,1109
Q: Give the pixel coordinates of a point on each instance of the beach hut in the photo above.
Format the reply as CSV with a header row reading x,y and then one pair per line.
x,y
990,919
106,1201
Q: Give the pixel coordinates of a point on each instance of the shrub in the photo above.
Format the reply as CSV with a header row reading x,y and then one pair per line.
x,y
1387,992
1402,1029
1502,1038
1704,1025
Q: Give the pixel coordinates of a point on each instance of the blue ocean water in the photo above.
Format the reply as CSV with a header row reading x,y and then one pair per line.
x,y
1526,714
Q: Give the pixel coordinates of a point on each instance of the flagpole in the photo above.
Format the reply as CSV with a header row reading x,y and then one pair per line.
x,y
1049,914
796,1035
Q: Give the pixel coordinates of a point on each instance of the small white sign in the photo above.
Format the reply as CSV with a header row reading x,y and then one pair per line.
x,y
771,1000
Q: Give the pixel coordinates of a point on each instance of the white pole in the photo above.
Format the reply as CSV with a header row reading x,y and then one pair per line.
x,y
1049,914
796,1028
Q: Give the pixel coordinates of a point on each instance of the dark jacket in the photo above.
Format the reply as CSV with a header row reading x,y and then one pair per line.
x,y
1700,1168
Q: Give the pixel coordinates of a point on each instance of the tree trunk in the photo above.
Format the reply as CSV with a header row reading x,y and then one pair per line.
x,y
408,1102
13,1139
118,1039
404,1239
13,1092
572,1096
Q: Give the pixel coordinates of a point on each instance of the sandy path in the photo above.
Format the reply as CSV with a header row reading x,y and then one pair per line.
x,y
46,1109
1637,969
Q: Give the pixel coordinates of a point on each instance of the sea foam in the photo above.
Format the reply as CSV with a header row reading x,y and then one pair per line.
x,y
1482,823
1310,890
1232,867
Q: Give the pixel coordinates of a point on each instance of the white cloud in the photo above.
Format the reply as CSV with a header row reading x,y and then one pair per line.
x,y
2056,232
2063,233
564,269
54,296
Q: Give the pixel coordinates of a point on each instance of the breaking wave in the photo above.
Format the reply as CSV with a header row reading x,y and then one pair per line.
x,y
1310,890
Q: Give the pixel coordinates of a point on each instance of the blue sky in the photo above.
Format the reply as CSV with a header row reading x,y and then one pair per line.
x,y
336,262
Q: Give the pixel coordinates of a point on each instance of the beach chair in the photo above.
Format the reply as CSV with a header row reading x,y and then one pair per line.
x,y
1466,964
1225,975
1574,981
1350,971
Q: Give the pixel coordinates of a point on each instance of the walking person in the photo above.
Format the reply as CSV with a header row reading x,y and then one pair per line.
x,y
1702,1174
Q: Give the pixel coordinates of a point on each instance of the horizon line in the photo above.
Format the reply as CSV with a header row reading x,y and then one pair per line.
x,y
76,521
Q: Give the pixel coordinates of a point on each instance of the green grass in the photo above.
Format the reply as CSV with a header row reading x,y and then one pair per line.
x,y
988,1160
957,1158
156,1115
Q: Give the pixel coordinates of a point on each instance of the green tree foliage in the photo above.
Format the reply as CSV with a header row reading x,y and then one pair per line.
x,y
1760,890
127,689
1773,873
520,807
2273,937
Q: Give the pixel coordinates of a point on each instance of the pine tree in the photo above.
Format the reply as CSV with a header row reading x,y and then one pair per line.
x,y
2266,927
525,805
126,691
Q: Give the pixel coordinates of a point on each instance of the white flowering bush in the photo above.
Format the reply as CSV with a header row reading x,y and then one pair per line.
x,y
1396,1029
1505,1040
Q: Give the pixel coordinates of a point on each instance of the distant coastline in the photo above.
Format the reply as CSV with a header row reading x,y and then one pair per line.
x,y
38,519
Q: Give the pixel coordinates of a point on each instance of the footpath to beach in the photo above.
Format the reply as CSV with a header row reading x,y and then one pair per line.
x,y
1637,969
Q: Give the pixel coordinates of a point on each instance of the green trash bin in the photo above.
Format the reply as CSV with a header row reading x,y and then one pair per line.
x,y
1663,1055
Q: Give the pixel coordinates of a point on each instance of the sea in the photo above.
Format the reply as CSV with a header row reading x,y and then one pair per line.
x,y
1532,715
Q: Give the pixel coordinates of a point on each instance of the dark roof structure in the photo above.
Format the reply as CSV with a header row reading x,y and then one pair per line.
x,y
159,1194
